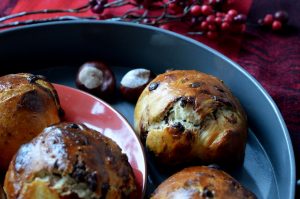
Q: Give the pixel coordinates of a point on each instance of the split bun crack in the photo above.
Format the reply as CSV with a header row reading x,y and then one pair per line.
x,y
187,116
70,160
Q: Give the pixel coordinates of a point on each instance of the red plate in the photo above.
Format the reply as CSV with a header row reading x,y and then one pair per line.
x,y
93,112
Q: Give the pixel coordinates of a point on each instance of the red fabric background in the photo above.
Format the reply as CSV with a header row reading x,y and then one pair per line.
x,y
273,59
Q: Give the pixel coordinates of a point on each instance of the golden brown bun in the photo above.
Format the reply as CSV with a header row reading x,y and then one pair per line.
x,y
28,104
185,116
70,161
201,182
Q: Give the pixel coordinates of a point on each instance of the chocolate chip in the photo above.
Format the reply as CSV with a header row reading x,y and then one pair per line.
x,y
222,100
219,89
183,103
207,193
186,100
79,171
104,189
204,92
92,181
178,126
61,112
56,164
153,86
34,78
73,126
166,119
196,84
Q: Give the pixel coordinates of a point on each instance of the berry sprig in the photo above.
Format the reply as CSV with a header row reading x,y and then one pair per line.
x,y
211,22
210,18
274,21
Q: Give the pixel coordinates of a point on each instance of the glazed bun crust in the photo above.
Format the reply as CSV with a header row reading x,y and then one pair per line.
x,y
28,104
70,161
201,182
186,116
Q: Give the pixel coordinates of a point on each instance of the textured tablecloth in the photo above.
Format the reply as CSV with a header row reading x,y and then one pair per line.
x,y
273,59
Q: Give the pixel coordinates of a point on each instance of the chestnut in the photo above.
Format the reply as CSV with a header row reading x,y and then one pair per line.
x,y
97,79
134,82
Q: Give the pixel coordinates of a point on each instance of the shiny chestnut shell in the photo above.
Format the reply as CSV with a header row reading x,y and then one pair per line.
x,y
104,80
134,82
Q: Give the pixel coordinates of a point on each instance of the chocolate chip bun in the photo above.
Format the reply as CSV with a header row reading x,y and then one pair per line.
x,y
201,182
70,161
28,104
187,116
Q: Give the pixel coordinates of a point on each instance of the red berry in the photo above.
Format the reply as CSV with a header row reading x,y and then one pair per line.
x,y
281,16
210,19
211,34
165,26
174,8
276,25
232,12
225,26
268,19
206,9
204,25
172,5
212,2
196,10
218,20
242,28
212,27
97,9
228,18
220,14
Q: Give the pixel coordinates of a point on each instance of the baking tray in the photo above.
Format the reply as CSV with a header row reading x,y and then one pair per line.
x,y
56,50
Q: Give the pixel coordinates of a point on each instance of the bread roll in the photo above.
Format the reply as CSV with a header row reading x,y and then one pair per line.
x,y
185,115
28,104
70,161
201,182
